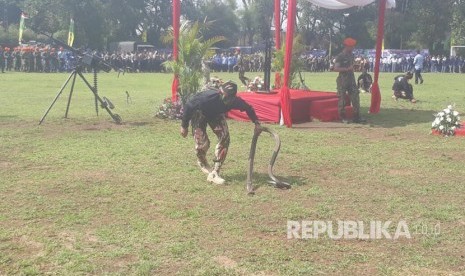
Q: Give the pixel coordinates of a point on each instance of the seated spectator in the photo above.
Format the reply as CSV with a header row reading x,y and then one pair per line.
x,y
402,88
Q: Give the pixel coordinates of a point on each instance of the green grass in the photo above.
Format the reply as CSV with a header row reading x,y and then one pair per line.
x,y
86,196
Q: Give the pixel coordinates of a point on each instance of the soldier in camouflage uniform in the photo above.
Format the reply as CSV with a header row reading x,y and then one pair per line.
x,y
209,108
2,60
344,64
241,69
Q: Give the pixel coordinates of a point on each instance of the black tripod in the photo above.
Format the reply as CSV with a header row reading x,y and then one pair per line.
x,y
104,103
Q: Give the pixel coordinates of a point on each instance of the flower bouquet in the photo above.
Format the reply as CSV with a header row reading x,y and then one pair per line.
x,y
257,84
446,122
170,110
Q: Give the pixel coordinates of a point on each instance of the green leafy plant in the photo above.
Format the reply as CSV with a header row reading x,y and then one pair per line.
x,y
297,64
192,49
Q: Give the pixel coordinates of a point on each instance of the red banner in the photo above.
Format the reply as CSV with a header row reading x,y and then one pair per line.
x,y
176,20
375,91
285,97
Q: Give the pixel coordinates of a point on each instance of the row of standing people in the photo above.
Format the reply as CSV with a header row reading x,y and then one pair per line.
x,y
141,61
50,60
29,59
434,64
229,62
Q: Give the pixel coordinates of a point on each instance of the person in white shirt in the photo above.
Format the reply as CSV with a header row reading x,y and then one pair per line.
x,y
418,63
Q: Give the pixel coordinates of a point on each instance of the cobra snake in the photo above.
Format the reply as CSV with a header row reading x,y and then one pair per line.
x,y
273,180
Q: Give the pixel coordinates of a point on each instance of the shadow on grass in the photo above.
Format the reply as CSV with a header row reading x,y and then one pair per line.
x,y
398,117
261,180
136,124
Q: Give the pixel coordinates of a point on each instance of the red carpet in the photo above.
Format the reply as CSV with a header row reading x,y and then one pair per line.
x,y
306,106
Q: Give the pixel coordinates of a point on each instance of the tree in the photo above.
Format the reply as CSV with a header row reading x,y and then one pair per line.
x,y
263,16
458,23
428,35
400,25
223,17
53,16
127,19
158,17
319,26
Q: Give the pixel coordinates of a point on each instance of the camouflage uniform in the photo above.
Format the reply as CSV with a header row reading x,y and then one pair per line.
x,y
202,143
346,83
241,69
2,60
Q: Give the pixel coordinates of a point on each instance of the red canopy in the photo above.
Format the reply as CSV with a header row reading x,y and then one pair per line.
x,y
375,96
292,9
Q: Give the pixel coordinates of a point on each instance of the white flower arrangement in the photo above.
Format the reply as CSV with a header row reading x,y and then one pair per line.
x,y
257,84
446,121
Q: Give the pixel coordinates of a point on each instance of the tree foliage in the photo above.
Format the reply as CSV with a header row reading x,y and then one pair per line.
x,y
223,18
458,23
297,65
412,24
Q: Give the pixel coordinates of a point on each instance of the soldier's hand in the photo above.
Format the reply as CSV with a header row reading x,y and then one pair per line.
x,y
184,132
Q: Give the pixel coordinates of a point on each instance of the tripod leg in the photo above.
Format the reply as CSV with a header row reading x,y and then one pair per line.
x,y
115,117
58,95
96,90
70,95
96,105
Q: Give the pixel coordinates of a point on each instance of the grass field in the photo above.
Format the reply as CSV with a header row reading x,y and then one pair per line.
x,y
86,196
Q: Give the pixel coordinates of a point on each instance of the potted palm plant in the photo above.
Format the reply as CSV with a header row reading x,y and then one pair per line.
x,y
297,64
192,49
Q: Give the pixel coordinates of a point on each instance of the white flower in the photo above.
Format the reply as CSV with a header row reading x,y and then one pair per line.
x,y
449,107
458,118
455,113
447,111
453,128
449,119
441,114
441,127
433,124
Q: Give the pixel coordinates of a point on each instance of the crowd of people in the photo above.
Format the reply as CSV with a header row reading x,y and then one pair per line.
x,y
433,64
45,58
228,62
34,59
146,61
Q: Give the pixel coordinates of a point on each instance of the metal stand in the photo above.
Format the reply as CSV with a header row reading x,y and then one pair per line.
x,y
104,103
267,65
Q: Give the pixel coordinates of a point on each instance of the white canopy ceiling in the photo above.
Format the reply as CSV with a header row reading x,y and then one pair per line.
x,y
344,4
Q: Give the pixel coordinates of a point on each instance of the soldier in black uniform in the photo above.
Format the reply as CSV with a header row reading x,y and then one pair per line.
x,y
364,81
402,88
344,64
209,107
